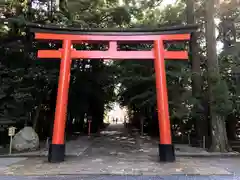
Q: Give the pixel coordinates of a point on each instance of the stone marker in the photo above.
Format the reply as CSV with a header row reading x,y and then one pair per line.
x,y
25,139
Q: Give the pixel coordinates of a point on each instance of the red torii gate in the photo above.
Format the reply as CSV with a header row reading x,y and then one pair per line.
x,y
72,35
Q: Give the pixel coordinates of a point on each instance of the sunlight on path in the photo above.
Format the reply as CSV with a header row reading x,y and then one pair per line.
x,y
119,113
110,132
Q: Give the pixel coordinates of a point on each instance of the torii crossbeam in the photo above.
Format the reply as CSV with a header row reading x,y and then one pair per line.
x,y
68,36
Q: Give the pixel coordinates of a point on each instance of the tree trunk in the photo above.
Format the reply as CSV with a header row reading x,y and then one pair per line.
x,y
35,120
198,116
218,126
219,135
231,127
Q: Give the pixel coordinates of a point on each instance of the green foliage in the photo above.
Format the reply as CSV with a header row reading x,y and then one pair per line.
x,y
221,102
27,81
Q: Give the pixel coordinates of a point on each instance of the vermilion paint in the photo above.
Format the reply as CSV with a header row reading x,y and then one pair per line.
x,y
62,96
66,53
162,96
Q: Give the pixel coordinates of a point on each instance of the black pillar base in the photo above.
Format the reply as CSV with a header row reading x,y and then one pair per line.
x,y
166,153
56,153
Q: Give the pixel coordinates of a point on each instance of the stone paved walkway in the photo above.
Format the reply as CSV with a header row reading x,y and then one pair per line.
x,y
181,150
120,153
73,148
5,162
111,177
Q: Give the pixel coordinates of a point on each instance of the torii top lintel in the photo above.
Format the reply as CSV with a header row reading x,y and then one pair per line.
x,y
113,36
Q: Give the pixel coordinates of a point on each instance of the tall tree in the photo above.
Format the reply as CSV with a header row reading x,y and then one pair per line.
x,y
197,112
217,88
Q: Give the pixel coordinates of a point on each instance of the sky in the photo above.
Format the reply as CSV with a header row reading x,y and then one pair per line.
x,y
167,2
163,4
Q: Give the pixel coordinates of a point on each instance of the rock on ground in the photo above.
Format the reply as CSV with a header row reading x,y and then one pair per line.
x,y
25,139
